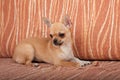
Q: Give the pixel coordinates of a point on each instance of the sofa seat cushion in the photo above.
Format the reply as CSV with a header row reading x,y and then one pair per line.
x,y
106,70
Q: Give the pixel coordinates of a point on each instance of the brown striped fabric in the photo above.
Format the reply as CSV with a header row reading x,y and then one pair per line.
x,y
96,24
106,70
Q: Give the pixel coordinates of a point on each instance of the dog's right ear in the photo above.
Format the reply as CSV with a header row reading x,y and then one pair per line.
x,y
66,21
47,21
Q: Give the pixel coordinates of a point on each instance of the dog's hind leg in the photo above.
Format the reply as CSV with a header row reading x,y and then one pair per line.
x,y
24,54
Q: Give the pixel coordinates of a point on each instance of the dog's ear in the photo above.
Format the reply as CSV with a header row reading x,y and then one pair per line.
x,y
47,21
66,21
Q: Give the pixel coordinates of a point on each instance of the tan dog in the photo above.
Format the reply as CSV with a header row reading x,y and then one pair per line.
x,y
56,50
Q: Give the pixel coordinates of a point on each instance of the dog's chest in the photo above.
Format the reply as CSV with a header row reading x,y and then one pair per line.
x,y
67,53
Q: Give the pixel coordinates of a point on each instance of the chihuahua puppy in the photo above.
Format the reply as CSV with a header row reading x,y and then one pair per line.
x,y
56,50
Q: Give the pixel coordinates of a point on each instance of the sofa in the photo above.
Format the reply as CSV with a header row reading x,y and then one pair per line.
x,y
95,31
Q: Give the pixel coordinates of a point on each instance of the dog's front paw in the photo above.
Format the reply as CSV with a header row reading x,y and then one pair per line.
x,y
84,63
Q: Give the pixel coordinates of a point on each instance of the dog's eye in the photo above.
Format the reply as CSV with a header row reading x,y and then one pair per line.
x,y
51,35
62,35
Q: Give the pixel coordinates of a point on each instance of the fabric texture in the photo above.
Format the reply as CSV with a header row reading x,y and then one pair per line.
x,y
108,70
95,24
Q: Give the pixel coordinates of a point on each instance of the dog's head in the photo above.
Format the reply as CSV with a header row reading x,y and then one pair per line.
x,y
59,31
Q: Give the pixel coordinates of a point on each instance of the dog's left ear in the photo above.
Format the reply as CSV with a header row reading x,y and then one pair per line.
x,y
47,21
66,21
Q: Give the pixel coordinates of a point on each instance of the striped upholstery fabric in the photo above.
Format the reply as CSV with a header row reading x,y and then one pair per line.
x,y
96,24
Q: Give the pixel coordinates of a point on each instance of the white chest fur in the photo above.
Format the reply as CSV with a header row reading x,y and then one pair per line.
x,y
67,52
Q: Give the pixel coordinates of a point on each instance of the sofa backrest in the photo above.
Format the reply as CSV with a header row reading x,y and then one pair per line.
x,y
96,24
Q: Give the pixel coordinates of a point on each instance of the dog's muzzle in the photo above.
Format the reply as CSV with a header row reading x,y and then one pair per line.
x,y
57,43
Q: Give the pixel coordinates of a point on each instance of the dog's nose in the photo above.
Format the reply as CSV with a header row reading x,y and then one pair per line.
x,y
55,41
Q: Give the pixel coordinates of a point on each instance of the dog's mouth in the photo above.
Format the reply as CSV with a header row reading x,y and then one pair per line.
x,y
60,43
